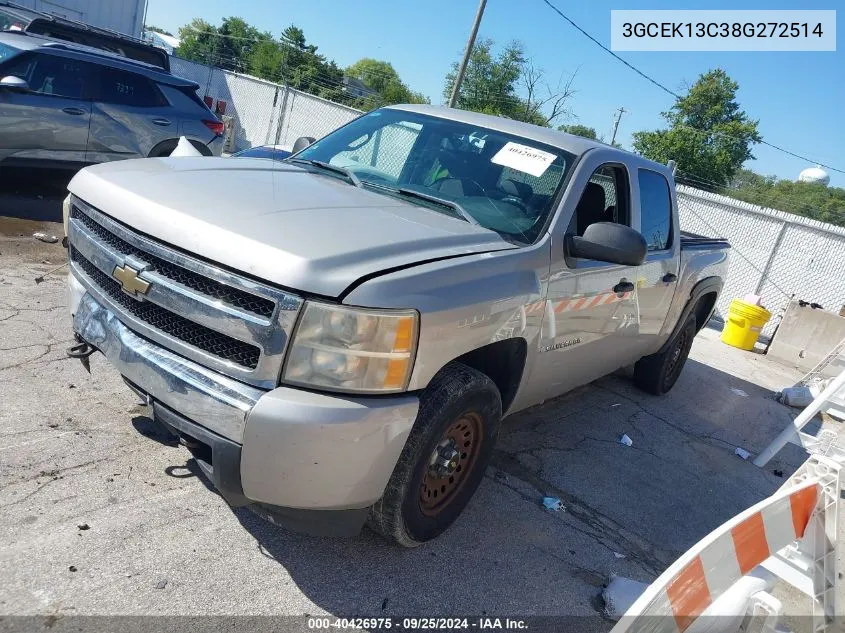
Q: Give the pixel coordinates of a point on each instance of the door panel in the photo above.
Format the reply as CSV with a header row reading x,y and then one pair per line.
x,y
130,116
591,322
658,273
51,121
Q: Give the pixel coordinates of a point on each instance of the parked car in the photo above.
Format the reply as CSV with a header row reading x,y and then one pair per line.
x,y
337,337
273,152
66,105
14,17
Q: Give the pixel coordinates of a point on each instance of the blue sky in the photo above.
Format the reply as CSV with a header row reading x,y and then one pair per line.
x,y
798,97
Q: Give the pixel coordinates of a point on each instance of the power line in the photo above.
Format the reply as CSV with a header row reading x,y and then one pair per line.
x,y
672,93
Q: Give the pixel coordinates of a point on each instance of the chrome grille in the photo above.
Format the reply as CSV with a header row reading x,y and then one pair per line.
x,y
191,333
226,294
222,320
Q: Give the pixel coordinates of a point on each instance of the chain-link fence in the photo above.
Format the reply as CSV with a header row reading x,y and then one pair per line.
x,y
774,254
263,112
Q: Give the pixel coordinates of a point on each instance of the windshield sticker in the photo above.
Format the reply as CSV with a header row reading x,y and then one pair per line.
x,y
523,158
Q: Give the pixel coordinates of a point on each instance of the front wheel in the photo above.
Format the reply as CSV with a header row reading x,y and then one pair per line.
x,y
444,459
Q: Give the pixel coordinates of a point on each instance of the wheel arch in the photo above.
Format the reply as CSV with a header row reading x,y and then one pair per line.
x,y
701,302
501,361
165,147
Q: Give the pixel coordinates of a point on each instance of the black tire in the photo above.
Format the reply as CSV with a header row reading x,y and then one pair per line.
x,y
659,372
165,148
457,395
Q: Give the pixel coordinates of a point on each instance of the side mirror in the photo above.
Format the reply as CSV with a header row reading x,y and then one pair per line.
x,y
302,142
14,84
608,242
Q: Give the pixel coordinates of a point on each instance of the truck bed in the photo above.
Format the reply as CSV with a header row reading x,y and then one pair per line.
x,y
694,241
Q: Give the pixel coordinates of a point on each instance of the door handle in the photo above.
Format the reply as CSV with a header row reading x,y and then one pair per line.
x,y
161,122
623,286
668,278
73,111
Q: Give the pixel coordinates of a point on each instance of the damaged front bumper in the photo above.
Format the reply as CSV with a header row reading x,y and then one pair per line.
x,y
310,462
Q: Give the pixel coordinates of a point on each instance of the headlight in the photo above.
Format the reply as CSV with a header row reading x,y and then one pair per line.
x,y
352,349
66,213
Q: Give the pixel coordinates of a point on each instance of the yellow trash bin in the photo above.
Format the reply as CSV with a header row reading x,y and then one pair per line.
x,y
744,323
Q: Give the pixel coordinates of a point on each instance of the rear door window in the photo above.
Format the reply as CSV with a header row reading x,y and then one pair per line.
x,y
126,88
655,210
53,75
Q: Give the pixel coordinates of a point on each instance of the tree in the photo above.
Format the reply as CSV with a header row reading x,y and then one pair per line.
x,y
237,42
156,29
579,130
812,200
198,42
508,84
543,104
383,78
709,136
238,46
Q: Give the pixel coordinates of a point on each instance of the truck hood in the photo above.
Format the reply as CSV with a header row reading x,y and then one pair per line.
x,y
277,222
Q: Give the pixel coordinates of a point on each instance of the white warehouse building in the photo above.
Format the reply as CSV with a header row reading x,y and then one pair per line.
x,y
123,16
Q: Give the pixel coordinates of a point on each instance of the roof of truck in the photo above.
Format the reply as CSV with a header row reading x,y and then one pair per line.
x,y
569,142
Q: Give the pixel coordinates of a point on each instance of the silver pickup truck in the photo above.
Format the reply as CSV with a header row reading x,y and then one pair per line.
x,y
337,337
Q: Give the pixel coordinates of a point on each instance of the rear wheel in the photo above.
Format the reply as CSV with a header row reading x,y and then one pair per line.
x,y
444,457
659,372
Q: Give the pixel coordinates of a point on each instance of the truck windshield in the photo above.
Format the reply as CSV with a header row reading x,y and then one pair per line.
x,y
506,183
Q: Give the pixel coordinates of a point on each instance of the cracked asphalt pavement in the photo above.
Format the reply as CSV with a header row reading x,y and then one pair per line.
x,y
100,513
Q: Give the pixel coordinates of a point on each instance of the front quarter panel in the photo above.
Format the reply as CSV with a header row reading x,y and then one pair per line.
x,y
465,303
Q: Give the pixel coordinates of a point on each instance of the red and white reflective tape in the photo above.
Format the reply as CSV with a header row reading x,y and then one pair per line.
x,y
579,302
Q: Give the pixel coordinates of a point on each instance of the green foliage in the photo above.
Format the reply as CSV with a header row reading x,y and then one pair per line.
x,y
228,46
508,85
490,83
709,136
237,46
198,41
810,200
579,130
157,29
383,78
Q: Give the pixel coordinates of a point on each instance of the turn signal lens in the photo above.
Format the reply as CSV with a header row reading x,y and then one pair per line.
x,y
354,350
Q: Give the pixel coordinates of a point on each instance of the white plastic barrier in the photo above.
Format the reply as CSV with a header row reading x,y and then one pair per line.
x,y
722,581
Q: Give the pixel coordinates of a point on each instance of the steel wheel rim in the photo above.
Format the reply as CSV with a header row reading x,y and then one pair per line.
x,y
438,488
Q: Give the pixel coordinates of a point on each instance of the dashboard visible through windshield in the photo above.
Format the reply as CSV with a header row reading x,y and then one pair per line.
x,y
502,182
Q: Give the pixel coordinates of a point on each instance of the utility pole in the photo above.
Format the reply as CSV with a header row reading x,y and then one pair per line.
x,y
619,114
470,43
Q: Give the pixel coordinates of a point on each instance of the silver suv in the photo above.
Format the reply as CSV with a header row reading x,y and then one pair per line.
x,y
67,105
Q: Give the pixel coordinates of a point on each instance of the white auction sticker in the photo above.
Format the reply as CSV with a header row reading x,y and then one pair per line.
x,y
524,158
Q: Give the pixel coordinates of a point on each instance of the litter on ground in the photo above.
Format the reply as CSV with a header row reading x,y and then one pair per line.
x,y
552,503
742,453
620,594
43,237
627,441
739,392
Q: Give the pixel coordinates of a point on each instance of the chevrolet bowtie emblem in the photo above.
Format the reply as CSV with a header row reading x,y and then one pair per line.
x,y
129,280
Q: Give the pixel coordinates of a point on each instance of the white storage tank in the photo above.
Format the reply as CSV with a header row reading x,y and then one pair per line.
x,y
123,16
815,175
